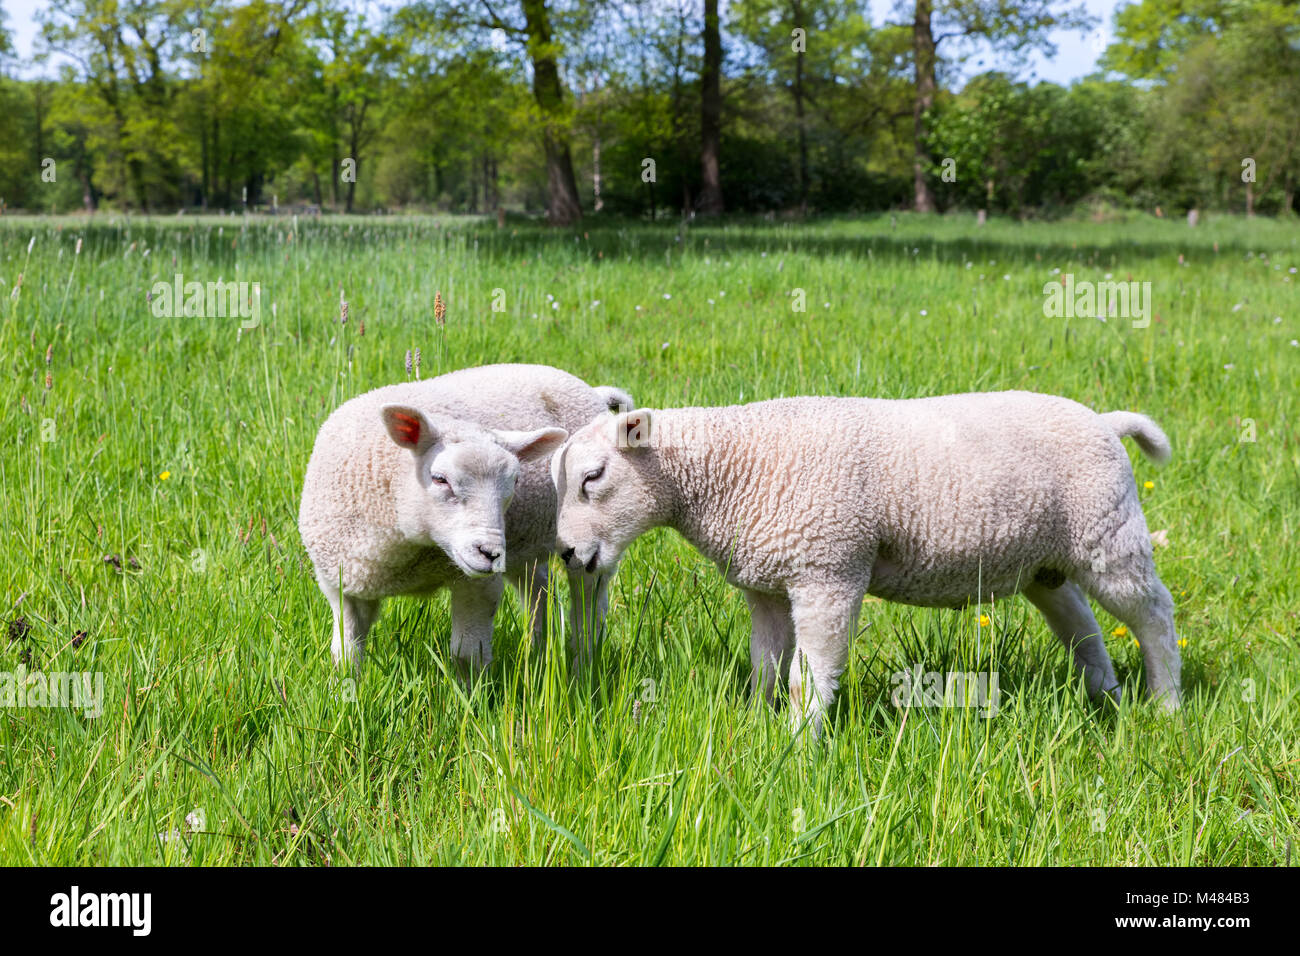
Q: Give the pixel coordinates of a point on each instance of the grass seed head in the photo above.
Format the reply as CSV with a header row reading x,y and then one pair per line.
x,y
19,629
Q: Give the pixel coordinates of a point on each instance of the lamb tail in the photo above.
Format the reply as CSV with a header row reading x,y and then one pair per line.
x,y
1153,442
615,399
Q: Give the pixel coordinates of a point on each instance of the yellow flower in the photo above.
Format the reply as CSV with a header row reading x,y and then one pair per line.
x,y
1120,631
984,620
164,476
1135,642
1182,642
1148,485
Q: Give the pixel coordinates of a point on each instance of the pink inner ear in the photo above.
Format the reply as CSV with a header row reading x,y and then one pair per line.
x,y
631,427
406,430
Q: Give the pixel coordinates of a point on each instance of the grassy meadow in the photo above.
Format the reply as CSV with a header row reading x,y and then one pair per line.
x,y
149,491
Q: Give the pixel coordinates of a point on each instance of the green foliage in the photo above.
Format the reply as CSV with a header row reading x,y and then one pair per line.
x,y
161,104
1222,84
1232,99
1153,35
1020,148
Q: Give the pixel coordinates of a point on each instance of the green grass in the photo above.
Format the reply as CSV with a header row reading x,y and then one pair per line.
x,y
212,638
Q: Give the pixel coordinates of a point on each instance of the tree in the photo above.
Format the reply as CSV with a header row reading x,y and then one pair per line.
x,y
472,104
710,198
1152,36
844,93
6,43
1011,25
564,207
539,31
777,26
246,79
1228,81
923,53
124,97
16,163
353,67
645,102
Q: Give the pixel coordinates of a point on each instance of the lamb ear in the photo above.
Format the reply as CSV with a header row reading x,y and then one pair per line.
x,y
632,429
409,427
557,470
529,445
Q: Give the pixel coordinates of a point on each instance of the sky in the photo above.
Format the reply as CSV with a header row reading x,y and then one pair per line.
x,y
1076,54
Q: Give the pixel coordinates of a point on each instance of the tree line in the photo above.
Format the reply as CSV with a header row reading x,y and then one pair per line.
x,y
647,107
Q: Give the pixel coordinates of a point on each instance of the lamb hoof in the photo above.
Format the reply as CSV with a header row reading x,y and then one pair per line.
x,y
467,672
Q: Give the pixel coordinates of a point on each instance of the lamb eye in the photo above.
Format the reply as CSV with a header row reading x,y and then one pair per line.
x,y
439,479
593,475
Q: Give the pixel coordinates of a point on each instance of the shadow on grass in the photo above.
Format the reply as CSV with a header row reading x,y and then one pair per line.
x,y
947,239
653,243
1015,665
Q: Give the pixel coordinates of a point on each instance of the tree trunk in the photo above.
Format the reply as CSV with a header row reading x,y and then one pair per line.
x,y
356,166
136,168
334,147
799,110
38,100
1250,200
564,207
214,160
204,182
686,153
598,203
709,202
923,50
334,176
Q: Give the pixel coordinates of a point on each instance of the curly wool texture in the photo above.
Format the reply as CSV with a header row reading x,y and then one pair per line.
x,y
931,501
357,480
808,504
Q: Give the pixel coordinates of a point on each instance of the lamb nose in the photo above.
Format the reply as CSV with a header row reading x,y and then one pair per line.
x,y
490,553
566,555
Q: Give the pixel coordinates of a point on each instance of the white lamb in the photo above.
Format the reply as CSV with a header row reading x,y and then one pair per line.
x,y
809,504
407,491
